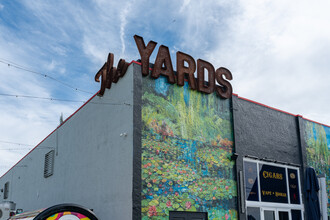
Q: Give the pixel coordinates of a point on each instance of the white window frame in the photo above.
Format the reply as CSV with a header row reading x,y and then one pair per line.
x,y
272,205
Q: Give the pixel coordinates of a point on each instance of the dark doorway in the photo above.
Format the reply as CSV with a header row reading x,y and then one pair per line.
x,y
188,216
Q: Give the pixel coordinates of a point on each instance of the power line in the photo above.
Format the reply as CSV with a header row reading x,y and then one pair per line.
x,y
10,63
61,100
21,144
36,97
8,142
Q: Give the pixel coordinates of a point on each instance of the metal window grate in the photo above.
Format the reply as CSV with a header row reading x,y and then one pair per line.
x,y
6,191
49,164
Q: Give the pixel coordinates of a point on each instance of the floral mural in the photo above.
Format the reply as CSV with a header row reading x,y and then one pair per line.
x,y
318,151
187,143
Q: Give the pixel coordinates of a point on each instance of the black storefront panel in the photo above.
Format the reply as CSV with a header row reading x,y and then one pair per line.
x,y
251,181
293,186
273,184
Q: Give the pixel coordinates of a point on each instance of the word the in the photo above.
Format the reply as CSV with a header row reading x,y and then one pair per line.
x,y
110,74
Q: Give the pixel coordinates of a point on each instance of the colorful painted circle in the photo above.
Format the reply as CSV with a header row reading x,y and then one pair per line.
x,y
69,217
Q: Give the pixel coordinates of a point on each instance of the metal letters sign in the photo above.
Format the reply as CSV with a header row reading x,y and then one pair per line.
x,y
217,79
110,74
163,66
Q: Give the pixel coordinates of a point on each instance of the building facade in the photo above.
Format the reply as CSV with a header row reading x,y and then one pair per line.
x,y
148,149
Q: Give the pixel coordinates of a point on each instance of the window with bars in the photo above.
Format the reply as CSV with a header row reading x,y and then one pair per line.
x,y
6,191
49,164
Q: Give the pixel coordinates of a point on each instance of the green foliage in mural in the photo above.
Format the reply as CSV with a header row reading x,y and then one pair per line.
x,y
318,155
187,143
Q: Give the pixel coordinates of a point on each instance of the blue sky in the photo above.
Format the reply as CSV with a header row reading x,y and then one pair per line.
x,y
278,52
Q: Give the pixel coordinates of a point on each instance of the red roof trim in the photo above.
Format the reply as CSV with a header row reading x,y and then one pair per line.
x,y
52,132
276,109
258,103
60,125
133,61
316,122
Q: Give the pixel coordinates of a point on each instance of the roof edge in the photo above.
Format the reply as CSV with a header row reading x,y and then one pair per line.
x,y
279,110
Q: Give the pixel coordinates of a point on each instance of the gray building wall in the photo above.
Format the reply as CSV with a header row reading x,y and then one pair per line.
x,y
93,163
266,133
97,167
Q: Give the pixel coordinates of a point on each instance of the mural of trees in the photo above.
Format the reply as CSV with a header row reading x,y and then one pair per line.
x,y
187,142
318,155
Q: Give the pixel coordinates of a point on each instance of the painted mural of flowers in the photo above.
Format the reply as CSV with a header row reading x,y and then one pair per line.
x,y
152,211
188,205
177,182
186,150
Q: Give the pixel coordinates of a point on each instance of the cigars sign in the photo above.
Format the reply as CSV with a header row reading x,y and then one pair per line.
x,y
218,80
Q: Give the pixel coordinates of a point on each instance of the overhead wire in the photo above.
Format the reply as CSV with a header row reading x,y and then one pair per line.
x,y
9,142
61,100
18,66
21,144
36,97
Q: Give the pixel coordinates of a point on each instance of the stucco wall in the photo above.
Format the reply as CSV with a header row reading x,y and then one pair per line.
x,y
265,133
93,165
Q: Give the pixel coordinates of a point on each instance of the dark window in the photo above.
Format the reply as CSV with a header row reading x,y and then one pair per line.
x,y
296,214
283,215
269,215
251,181
6,191
49,164
253,213
293,186
273,186
188,215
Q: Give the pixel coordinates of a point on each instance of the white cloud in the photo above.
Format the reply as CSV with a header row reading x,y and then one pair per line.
x,y
123,22
278,52
25,120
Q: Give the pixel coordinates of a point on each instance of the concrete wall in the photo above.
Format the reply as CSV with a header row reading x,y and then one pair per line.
x,y
93,164
263,132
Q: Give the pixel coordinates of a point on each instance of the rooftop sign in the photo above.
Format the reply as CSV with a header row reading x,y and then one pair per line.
x,y
218,80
